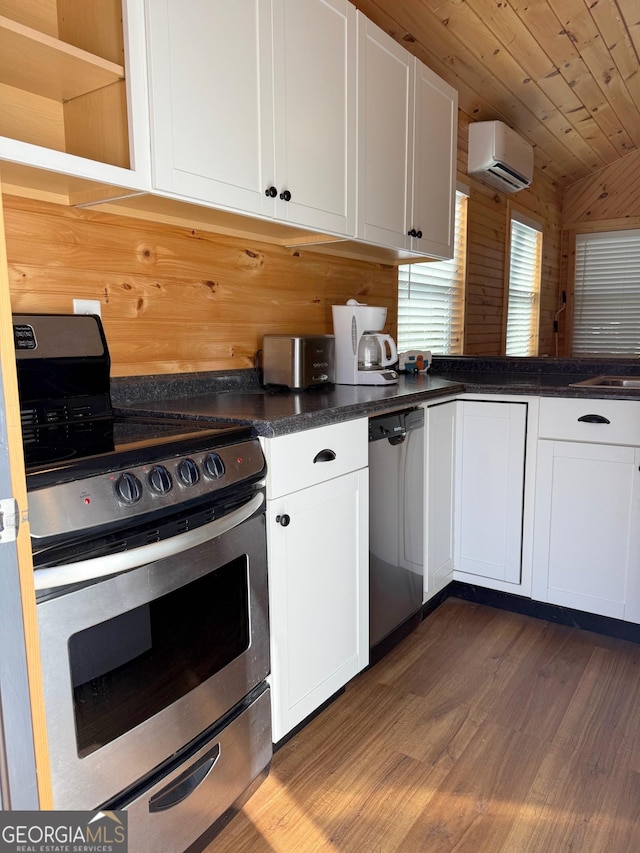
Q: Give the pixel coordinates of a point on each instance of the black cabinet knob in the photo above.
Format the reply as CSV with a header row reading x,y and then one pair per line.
x,y
283,520
285,196
419,234
271,192
412,233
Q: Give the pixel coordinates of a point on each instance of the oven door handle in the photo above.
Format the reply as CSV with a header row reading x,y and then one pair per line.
x,y
109,564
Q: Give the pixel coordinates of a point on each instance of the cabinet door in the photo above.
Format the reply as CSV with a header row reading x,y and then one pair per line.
x,y
315,49
586,551
318,595
210,80
434,167
440,461
385,125
490,459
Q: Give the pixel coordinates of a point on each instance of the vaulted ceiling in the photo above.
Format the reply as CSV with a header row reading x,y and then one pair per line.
x,y
564,73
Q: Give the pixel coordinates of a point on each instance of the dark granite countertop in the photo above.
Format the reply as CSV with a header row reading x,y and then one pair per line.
x,y
236,398
544,385
274,413
542,376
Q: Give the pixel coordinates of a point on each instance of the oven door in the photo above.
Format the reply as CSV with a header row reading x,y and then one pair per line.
x,y
137,665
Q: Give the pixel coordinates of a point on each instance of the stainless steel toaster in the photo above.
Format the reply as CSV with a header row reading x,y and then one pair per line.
x,y
298,362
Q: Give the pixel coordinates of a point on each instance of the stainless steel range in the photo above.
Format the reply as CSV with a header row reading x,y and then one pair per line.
x,y
150,572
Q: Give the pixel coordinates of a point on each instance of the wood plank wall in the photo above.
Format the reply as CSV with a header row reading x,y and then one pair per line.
x,y
175,299
489,216
179,300
606,201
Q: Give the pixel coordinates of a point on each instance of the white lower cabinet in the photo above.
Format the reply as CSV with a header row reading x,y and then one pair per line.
x,y
586,548
317,539
440,436
490,460
476,527
587,528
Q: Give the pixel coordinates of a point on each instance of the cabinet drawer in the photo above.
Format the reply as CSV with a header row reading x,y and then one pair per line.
x,y
560,419
306,458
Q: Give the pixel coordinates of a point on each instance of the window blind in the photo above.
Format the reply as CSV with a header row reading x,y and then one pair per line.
x,y
431,297
524,289
606,311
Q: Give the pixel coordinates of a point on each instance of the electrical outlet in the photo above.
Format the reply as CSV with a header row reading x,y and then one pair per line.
x,y
87,306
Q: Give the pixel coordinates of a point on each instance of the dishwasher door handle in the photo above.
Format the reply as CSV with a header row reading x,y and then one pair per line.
x,y
397,439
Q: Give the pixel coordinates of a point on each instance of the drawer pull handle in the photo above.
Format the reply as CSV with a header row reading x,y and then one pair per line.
x,y
594,419
178,790
283,520
324,456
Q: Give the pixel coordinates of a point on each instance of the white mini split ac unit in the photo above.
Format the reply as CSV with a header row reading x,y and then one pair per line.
x,y
499,157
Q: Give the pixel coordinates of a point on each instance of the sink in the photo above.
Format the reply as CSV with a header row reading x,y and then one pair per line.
x,y
609,382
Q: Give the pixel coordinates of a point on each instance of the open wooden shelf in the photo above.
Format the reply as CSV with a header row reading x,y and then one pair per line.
x,y
62,82
38,63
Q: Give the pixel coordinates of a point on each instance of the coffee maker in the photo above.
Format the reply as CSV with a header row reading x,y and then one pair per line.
x,y
363,355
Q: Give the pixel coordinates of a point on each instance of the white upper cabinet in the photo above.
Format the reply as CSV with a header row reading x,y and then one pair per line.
x,y
211,98
253,106
434,164
385,124
315,68
407,148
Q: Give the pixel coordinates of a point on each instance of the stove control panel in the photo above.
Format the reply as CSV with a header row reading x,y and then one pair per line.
x,y
125,495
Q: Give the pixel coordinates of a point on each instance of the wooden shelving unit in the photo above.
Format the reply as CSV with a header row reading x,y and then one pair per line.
x,y
38,63
62,81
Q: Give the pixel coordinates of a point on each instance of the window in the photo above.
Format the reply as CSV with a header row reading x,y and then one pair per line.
x,y
431,297
525,263
606,310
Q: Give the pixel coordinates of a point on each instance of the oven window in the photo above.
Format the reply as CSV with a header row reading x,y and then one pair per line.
x,y
129,668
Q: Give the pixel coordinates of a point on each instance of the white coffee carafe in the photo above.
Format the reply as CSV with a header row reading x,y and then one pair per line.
x,y
363,355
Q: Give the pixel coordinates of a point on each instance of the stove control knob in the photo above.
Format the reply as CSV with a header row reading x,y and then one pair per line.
x,y
160,480
213,466
128,488
188,473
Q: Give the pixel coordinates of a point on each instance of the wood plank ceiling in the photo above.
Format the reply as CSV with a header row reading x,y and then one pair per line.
x,y
563,73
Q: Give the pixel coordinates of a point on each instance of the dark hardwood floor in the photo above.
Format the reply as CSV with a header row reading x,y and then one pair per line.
x,y
484,731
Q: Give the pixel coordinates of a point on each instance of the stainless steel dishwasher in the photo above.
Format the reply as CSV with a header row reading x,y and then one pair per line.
x,y
396,526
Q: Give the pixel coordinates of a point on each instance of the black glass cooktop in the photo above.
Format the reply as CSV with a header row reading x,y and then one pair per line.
x,y
68,425
65,451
